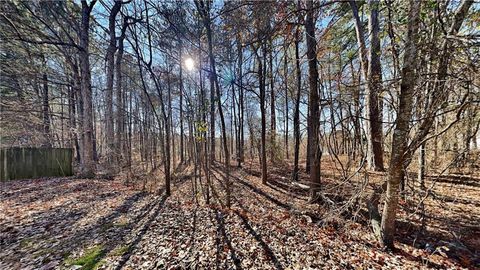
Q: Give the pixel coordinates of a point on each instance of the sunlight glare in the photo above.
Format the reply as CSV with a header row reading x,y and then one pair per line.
x,y
189,64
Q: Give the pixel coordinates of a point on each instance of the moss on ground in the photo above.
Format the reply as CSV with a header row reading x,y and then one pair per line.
x,y
90,260
121,250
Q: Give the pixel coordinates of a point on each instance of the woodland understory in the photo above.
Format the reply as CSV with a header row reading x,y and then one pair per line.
x,y
298,134
47,223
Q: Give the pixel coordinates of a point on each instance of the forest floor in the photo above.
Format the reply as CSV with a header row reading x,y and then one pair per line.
x,y
69,223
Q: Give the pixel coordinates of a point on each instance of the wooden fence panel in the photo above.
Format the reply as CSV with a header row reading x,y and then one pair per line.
x,y
21,163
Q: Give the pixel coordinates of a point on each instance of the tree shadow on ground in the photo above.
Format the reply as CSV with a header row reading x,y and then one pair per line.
x,y
420,259
411,233
457,180
253,188
157,205
58,231
105,228
221,239
459,200
266,248
45,190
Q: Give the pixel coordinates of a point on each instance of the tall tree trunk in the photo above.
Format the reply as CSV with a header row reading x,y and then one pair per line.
x,y
432,55
212,118
273,122
313,105
372,75
204,9
241,109
182,156
46,111
375,103
400,134
88,162
356,111
164,137
285,71
77,87
261,79
110,59
439,94
296,115
121,138
72,119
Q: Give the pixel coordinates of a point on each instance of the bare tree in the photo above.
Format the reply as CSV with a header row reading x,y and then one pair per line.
x,y
315,153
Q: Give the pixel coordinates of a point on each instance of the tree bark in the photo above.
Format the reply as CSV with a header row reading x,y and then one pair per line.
x,y
261,79
204,9
212,118
438,92
46,110
182,156
88,162
372,74
273,122
120,108
296,115
374,103
400,134
110,62
313,105
241,105
285,71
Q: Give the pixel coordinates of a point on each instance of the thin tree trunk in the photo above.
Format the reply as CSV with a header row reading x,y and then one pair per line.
x,y
212,119
372,75
400,135
241,109
121,145
204,10
46,111
261,78
313,105
375,103
285,71
296,116
273,122
182,156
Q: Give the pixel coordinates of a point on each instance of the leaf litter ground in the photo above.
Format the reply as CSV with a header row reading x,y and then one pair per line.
x,y
69,223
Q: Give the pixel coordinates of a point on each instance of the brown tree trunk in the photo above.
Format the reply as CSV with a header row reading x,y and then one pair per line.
x,y
313,105
285,71
204,9
241,108
88,162
46,111
400,134
110,59
296,115
120,108
273,122
439,94
372,74
374,103
182,156
261,79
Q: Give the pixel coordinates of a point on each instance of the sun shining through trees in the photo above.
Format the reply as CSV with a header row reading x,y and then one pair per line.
x,y
189,64
280,134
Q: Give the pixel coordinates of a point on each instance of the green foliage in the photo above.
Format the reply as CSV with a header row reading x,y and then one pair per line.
x,y
90,260
122,250
26,242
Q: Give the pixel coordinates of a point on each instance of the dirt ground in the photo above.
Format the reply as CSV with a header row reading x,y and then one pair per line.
x,y
69,223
